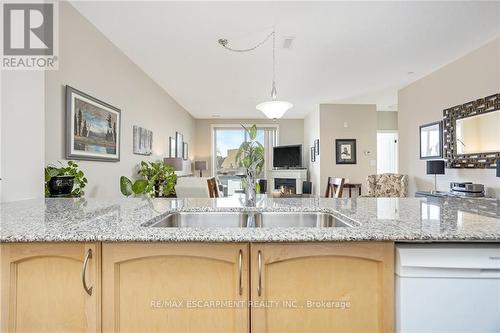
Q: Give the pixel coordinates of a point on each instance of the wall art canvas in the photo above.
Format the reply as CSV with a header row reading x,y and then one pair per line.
x,y
316,147
143,141
185,151
171,147
431,140
345,151
313,154
92,128
179,139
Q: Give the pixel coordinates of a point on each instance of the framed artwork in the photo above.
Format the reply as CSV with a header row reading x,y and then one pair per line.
x,y
179,141
171,147
316,146
143,141
92,128
313,154
431,140
185,151
345,151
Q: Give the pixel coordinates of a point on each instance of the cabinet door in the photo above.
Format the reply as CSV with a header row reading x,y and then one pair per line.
x,y
42,288
323,287
180,287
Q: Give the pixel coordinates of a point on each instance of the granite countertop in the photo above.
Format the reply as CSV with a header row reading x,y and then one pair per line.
x,y
405,219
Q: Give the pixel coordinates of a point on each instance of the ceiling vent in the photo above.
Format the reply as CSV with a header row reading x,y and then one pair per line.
x,y
288,42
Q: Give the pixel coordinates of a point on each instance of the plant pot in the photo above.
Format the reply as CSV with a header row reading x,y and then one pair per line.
x,y
61,185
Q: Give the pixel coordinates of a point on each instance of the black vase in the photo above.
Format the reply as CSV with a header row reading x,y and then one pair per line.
x,y
61,185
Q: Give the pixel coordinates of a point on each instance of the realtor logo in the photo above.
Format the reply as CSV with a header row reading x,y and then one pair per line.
x,y
29,36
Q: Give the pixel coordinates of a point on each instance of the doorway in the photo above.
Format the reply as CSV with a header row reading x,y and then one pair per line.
x,y
387,152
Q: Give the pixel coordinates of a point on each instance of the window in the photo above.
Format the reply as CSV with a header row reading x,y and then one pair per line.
x,y
226,141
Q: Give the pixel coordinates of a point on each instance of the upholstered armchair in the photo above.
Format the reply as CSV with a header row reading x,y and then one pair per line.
x,y
388,185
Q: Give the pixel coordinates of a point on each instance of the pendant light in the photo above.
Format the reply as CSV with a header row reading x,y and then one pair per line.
x,y
274,108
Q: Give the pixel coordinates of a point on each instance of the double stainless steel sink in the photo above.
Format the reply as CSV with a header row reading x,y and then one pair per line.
x,y
250,220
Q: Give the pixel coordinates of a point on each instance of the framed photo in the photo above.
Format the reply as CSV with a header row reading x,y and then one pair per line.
x,y
92,128
345,151
179,141
431,140
316,146
185,152
143,141
313,154
171,147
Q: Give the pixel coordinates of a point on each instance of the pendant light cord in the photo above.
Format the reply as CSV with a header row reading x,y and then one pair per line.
x,y
274,93
225,44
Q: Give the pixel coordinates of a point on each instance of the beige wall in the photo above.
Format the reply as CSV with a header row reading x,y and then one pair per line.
x,y
291,131
22,135
471,77
91,63
387,120
348,121
311,133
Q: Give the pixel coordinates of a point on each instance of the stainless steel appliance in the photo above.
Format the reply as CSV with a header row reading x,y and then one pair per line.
x,y
467,189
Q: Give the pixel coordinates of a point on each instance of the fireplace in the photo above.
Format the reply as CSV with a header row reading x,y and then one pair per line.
x,y
290,184
290,178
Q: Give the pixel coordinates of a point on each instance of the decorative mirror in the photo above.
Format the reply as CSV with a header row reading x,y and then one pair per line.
x,y
431,140
472,133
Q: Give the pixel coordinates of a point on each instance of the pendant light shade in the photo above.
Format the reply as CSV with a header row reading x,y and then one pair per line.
x,y
274,109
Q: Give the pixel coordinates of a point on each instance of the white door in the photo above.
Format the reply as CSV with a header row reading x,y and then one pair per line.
x,y
387,152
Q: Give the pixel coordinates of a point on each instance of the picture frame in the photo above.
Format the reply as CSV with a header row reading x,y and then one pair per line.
x,y
316,147
171,147
142,141
185,152
431,140
93,128
313,154
345,151
179,141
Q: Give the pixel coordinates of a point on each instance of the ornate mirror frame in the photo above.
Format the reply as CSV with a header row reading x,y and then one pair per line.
x,y
469,109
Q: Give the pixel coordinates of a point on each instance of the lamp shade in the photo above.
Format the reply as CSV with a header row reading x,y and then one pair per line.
x,y
435,167
498,167
200,165
274,109
175,162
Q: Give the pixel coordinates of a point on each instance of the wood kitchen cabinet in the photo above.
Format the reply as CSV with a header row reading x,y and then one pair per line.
x,y
160,287
42,288
323,287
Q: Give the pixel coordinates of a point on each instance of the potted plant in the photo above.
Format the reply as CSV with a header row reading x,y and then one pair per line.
x,y
65,180
158,180
250,156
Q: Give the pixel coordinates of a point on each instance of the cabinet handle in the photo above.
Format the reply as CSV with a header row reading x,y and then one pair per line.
x,y
240,271
259,260
84,269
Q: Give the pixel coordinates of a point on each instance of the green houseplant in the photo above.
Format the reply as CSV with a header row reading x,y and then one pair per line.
x,y
65,180
250,156
157,180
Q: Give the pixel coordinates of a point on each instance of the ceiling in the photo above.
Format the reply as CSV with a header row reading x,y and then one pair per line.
x,y
343,52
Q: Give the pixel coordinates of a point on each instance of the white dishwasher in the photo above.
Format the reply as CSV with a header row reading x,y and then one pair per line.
x,y
448,288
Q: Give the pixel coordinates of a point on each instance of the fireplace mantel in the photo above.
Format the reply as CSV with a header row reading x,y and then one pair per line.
x,y
299,175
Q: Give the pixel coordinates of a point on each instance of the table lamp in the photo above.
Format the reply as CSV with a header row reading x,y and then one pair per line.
x,y
175,162
435,168
200,165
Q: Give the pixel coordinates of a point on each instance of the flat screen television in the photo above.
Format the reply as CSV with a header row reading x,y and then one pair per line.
x,y
287,156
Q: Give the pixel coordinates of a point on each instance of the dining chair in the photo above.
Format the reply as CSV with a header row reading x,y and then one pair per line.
x,y
334,187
